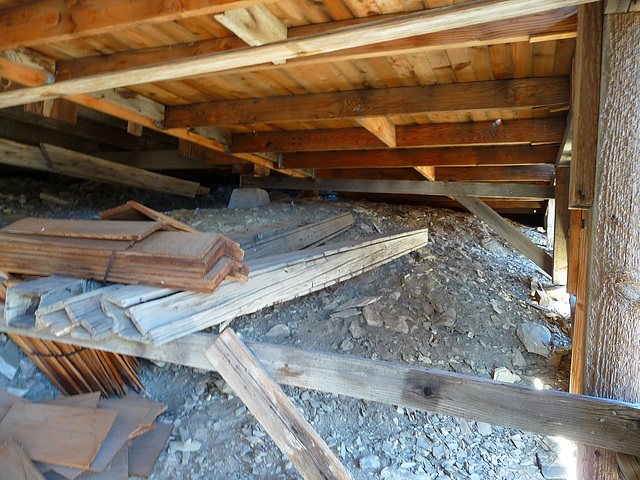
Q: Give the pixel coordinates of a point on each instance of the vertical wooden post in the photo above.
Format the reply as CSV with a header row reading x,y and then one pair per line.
x,y
612,347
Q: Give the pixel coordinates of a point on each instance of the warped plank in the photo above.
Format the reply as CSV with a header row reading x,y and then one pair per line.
x,y
423,157
78,165
514,132
507,231
280,418
272,280
552,25
40,427
494,190
547,412
485,96
46,21
430,21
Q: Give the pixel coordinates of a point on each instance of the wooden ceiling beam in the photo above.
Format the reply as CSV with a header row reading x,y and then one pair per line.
x,y
420,23
508,132
46,21
424,157
509,174
494,95
382,128
553,25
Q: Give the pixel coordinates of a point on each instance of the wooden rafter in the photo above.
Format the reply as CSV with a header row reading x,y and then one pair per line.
x,y
553,25
526,174
46,21
483,96
511,132
424,157
430,21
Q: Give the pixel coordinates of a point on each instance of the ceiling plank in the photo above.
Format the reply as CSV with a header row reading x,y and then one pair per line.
x,y
526,174
508,132
47,21
429,21
382,128
424,157
493,190
495,95
254,25
552,25
372,174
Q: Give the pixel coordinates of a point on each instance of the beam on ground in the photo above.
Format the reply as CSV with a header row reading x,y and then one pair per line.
x,y
430,21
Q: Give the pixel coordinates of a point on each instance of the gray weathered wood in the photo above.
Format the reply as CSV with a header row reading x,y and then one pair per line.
x,y
280,418
494,190
511,234
420,23
547,412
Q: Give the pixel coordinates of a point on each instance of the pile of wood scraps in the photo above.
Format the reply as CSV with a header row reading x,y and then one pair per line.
x,y
128,252
81,436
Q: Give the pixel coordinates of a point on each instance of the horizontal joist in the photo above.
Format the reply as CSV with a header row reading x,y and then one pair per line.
x,y
420,23
459,97
553,25
493,190
46,21
596,421
424,157
511,132
520,174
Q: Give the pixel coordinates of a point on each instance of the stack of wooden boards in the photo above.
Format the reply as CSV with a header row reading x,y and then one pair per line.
x,y
128,252
80,436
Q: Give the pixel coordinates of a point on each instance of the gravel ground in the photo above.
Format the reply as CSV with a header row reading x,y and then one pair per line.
x,y
455,305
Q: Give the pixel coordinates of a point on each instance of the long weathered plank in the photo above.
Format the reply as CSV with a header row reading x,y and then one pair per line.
x,y
430,21
484,96
513,132
295,437
576,417
406,187
78,165
510,233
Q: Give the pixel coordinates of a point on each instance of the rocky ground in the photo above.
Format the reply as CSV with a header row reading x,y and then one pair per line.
x,y
461,304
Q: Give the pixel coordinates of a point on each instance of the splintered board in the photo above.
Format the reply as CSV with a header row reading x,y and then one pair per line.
x,y
93,229
39,428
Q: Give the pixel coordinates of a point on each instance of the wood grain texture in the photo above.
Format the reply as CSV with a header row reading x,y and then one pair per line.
x,y
509,174
15,464
561,230
146,449
52,21
255,25
419,23
382,128
505,190
612,347
423,157
511,234
39,428
513,406
148,213
280,418
485,96
585,104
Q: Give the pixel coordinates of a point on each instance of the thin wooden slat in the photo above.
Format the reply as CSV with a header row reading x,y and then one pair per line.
x,y
146,449
39,428
510,233
575,417
562,225
149,213
49,227
295,437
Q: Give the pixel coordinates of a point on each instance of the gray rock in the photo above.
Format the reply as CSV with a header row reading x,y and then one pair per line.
x,y
503,374
396,324
370,463
278,330
9,360
347,345
535,337
447,319
356,330
518,358
484,428
372,316
248,198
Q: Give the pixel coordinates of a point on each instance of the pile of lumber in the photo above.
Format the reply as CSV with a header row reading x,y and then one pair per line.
x,y
129,252
74,370
80,436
